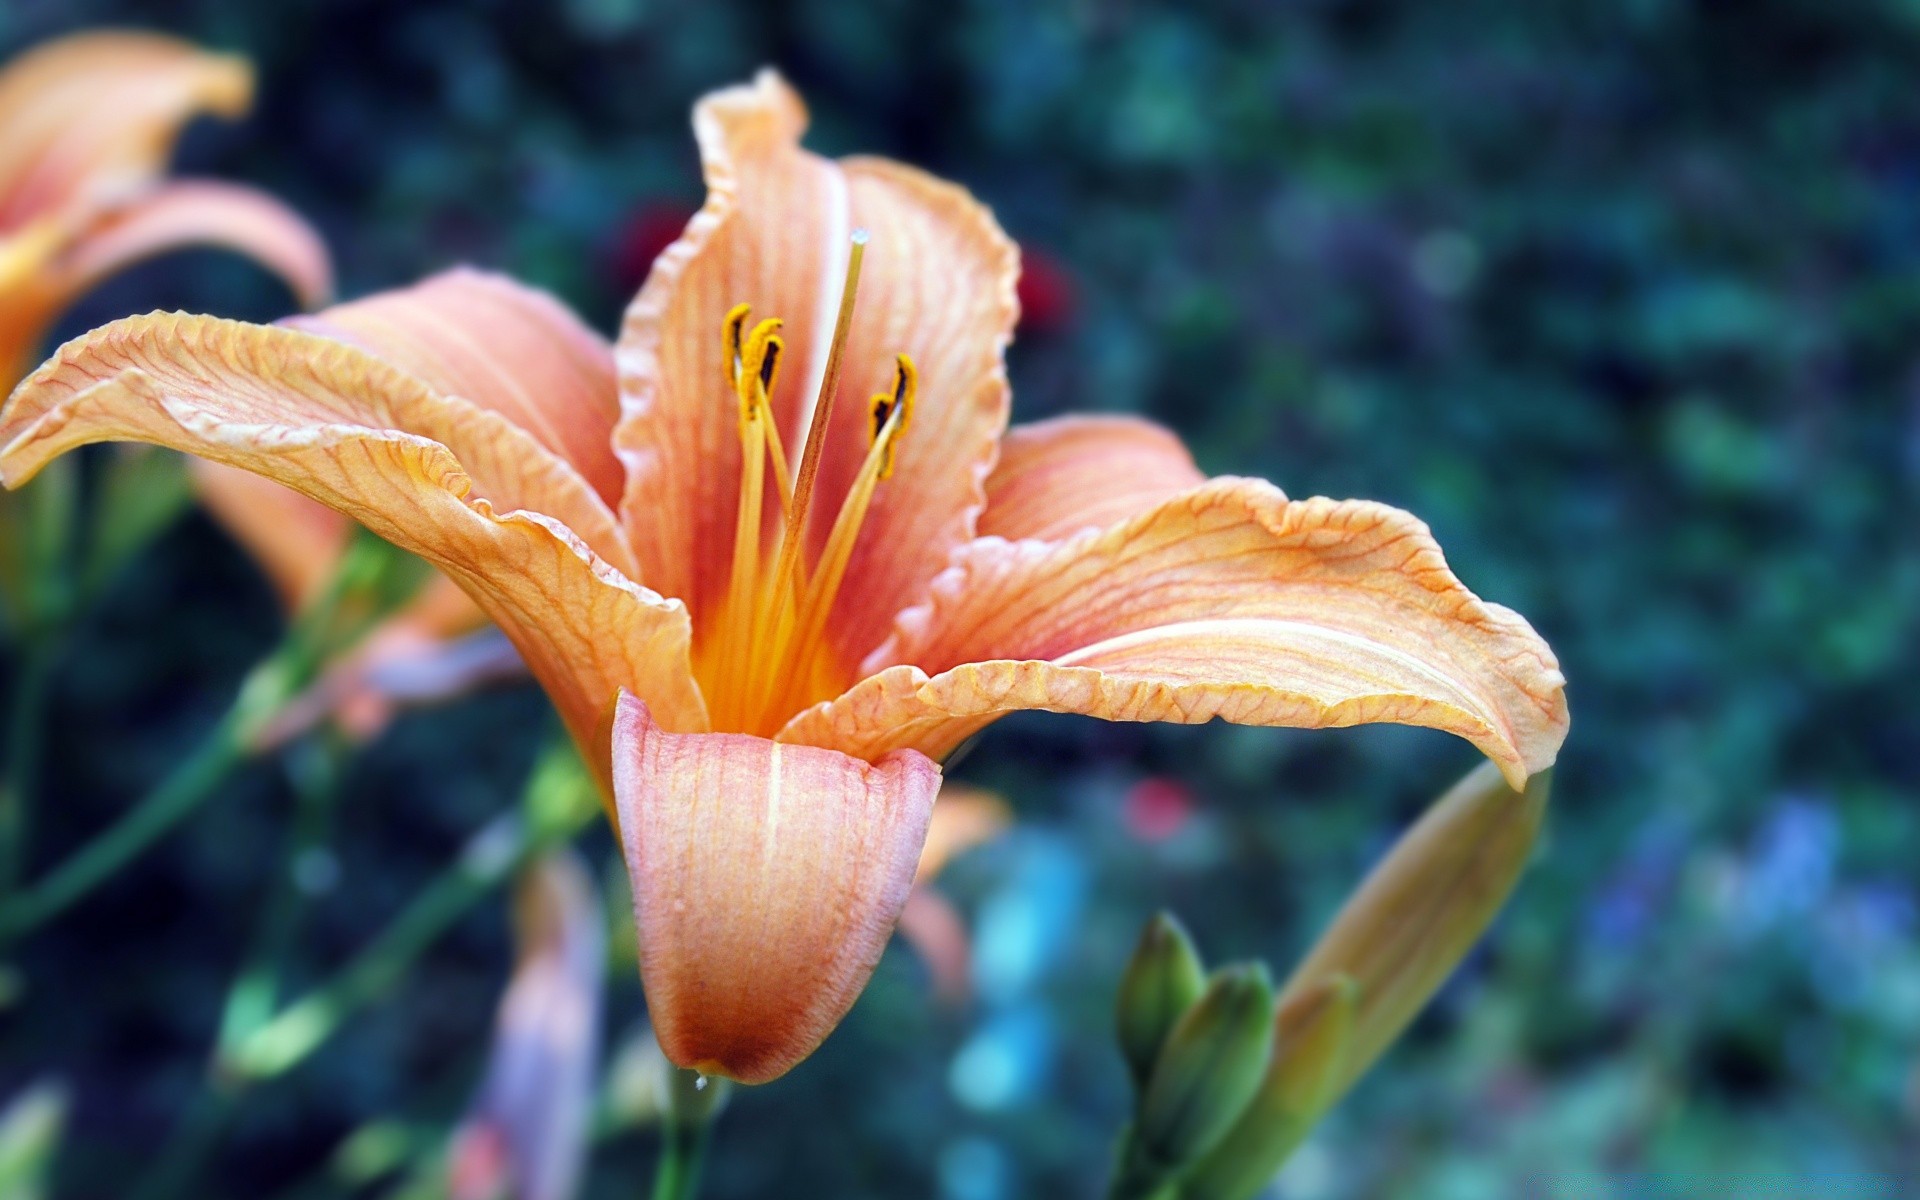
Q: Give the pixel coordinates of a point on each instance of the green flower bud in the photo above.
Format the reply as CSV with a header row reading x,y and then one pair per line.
x,y
1162,981
1312,1041
1390,948
1209,1069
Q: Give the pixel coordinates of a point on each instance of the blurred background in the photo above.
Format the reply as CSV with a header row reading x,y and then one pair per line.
x,y
1622,298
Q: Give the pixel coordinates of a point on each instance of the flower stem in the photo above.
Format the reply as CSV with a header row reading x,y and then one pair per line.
x,y
372,579
491,856
182,792
315,768
24,723
693,1101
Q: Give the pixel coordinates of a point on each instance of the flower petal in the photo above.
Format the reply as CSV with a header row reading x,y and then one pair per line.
x,y
938,284
766,880
1064,476
92,117
531,1122
200,213
1228,601
504,346
445,479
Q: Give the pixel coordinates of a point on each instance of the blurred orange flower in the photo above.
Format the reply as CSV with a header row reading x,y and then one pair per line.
x,y
765,653
86,126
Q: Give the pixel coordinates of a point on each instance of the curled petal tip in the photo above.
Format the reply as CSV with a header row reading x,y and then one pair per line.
x,y
766,881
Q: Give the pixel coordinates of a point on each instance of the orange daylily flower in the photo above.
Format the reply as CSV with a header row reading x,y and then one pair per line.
x,y
766,606
86,125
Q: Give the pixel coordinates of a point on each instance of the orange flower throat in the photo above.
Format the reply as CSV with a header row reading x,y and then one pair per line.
x,y
761,660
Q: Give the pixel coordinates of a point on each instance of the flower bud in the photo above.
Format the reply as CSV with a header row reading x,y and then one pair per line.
x,y
1424,907
1390,948
1312,1037
1209,1068
1162,981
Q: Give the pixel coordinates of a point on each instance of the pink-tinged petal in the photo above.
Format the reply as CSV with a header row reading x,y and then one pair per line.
x,y
448,480
768,234
1064,476
938,284
200,213
528,1132
932,926
943,277
504,346
963,817
93,117
1228,601
766,880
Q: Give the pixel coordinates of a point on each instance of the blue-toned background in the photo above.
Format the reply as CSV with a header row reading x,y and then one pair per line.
x,y
1622,298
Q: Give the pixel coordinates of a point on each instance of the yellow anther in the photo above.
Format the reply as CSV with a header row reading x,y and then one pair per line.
x,y
759,360
731,331
894,411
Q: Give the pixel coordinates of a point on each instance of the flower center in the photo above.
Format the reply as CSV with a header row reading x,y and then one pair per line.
x,y
761,660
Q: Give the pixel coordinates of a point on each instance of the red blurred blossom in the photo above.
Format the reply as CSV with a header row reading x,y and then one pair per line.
x,y
1157,808
1049,298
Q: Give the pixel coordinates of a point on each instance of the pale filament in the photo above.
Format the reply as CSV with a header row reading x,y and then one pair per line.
x,y
762,662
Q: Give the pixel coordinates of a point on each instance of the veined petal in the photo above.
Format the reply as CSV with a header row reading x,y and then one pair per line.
x,y
445,479
766,880
1228,601
1060,477
200,213
505,346
94,116
938,284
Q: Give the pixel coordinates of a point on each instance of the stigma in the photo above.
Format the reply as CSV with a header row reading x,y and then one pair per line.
x,y
762,658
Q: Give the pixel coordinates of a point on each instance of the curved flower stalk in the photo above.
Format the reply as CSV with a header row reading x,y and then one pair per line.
x,y
86,126
766,605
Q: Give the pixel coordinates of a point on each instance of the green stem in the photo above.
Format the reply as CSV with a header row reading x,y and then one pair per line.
x,y
186,789
1135,1175
493,855
24,722
198,1134
683,1152
693,1101
369,582
314,767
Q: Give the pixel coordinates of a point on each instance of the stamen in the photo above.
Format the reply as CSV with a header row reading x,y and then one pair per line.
x,y
786,576
811,454
732,328
891,413
905,382
754,374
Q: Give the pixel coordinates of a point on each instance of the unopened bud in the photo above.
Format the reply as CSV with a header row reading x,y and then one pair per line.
x,y
1209,1068
1313,1036
1419,912
1162,981
1387,951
